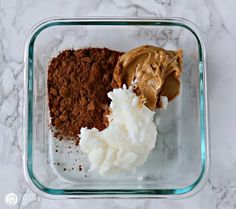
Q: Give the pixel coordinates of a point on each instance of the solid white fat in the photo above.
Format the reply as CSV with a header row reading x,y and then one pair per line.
x,y
125,144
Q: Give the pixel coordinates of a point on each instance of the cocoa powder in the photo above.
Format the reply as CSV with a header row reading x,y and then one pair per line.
x,y
78,83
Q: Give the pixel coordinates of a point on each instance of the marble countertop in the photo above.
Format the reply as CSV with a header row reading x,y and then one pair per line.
x,y
217,20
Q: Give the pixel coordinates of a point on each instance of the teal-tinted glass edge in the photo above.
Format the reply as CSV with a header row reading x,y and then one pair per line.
x,y
118,191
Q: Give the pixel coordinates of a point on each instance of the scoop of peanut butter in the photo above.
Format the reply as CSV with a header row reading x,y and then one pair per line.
x,y
153,71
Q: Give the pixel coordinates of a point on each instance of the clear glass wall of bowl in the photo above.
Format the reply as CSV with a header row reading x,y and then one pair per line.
x,y
180,160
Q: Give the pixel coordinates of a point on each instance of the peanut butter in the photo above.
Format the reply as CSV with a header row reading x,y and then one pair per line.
x,y
153,71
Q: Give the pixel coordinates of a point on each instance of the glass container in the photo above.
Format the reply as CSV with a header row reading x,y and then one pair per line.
x,y
178,165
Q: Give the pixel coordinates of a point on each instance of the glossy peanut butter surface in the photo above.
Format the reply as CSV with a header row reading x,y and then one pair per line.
x,y
153,71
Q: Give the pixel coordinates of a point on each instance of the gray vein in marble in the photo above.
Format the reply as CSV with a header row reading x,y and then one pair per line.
x,y
226,195
163,2
99,3
219,21
131,5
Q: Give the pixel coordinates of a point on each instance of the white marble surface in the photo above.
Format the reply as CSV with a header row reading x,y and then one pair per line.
x,y
217,20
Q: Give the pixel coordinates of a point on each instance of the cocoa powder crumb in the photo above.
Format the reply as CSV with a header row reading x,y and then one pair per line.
x,y
78,83
64,92
91,105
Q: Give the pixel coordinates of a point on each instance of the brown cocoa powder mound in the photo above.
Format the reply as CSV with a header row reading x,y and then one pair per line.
x,y
78,83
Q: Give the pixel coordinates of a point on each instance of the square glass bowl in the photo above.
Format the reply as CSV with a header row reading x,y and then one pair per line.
x,y
177,167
